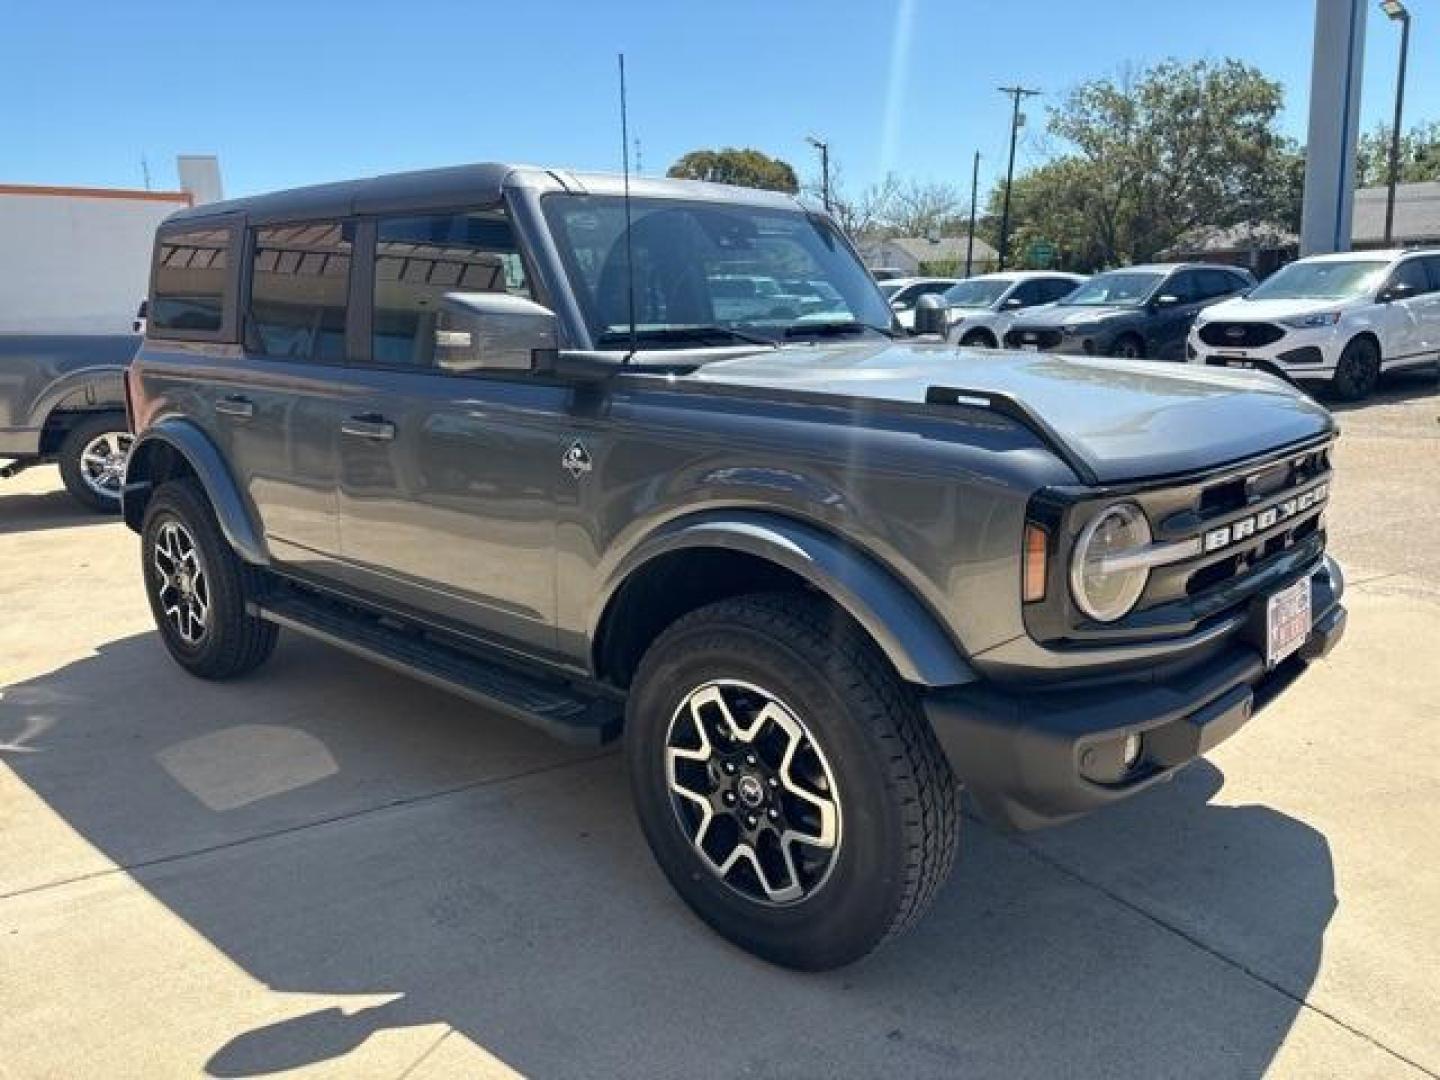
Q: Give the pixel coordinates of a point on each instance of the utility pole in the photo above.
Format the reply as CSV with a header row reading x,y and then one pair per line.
x,y
1397,11
145,171
824,148
970,240
1017,93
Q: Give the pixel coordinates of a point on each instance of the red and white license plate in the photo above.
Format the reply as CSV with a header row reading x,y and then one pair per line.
x,y
1287,621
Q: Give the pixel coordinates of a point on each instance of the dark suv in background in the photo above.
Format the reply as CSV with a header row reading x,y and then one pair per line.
x,y
491,426
1140,311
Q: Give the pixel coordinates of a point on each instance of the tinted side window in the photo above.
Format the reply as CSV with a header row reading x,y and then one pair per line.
x,y
1030,293
1218,283
1432,265
1185,286
1412,273
1055,288
299,287
191,271
420,259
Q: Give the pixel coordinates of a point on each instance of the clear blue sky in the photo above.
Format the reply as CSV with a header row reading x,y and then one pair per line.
x,y
305,91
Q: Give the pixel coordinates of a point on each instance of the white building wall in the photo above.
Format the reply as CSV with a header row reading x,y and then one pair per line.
x,y
76,263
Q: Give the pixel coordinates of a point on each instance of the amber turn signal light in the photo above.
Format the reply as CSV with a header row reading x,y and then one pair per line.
x,y
1037,548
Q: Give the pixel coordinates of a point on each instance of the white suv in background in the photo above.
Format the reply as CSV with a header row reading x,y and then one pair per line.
x,y
1343,319
978,309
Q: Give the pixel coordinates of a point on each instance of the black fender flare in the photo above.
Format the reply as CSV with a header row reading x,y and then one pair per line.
x,y
909,634
234,512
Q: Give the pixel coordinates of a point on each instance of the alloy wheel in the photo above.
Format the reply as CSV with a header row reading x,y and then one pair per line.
x,y
181,584
102,462
753,792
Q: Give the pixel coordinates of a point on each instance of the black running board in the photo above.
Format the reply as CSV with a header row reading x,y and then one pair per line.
x,y
559,708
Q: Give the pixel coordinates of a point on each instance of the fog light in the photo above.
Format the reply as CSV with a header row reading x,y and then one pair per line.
x,y
1130,753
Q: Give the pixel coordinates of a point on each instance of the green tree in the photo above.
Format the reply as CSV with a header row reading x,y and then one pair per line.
x,y
1419,157
1151,156
747,168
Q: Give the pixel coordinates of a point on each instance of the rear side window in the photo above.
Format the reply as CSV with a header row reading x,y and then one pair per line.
x,y
192,271
420,259
1219,283
299,291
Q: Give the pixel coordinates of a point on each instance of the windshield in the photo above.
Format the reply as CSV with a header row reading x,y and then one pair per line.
x,y
1338,280
1125,288
977,292
708,272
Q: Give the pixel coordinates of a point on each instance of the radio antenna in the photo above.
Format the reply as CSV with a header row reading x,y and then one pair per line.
x,y
629,249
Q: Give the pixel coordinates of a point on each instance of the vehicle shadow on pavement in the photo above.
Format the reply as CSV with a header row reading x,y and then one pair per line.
x,y
334,829
23,511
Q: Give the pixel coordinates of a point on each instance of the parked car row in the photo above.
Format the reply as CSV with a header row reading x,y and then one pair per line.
x,y
1340,320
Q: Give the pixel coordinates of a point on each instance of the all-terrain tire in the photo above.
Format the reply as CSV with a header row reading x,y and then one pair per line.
x,y
898,801
229,641
1358,372
88,482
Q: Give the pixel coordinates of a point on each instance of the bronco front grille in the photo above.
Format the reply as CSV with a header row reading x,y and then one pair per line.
x,y
1239,533
1240,335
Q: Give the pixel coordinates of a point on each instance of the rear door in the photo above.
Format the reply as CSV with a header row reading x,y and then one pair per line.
x,y
447,482
283,419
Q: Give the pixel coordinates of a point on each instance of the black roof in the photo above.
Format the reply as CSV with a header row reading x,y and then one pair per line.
x,y
458,185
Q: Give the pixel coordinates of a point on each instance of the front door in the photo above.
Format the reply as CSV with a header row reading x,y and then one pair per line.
x,y
448,482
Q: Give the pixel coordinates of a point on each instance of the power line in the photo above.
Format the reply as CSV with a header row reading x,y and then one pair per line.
x,y
1017,94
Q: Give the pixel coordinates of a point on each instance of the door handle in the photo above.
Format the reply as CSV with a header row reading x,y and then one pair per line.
x,y
369,426
235,405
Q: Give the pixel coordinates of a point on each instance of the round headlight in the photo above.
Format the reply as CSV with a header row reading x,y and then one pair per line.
x,y
1107,594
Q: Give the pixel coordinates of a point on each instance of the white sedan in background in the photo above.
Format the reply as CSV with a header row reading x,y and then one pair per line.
x,y
978,309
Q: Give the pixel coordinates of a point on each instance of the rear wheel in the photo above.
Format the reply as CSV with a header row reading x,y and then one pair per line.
x,y
1129,347
198,587
92,460
787,782
1358,372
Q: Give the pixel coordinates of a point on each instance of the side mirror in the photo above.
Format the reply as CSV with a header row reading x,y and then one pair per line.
x,y
899,305
1400,290
1166,300
492,331
1013,302
930,315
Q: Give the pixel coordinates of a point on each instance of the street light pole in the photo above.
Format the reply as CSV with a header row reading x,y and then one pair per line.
x,y
824,148
1397,12
970,240
1016,93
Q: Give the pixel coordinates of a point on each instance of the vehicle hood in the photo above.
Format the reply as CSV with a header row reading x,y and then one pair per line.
x,y
1056,316
1241,309
1123,419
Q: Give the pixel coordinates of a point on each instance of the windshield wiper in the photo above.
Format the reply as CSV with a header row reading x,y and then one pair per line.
x,y
833,329
687,333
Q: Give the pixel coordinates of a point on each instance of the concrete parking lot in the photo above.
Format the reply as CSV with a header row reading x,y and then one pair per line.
x,y
331,869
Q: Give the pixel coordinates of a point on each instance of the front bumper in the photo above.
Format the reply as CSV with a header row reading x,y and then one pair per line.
x,y
1041,757
1310,354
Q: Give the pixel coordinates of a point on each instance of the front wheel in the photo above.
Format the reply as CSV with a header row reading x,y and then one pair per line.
x,y
198,587
1358,372
787,782
92,461
979,339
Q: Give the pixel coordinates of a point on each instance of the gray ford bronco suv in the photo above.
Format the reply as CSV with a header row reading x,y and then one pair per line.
x,y
508,430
